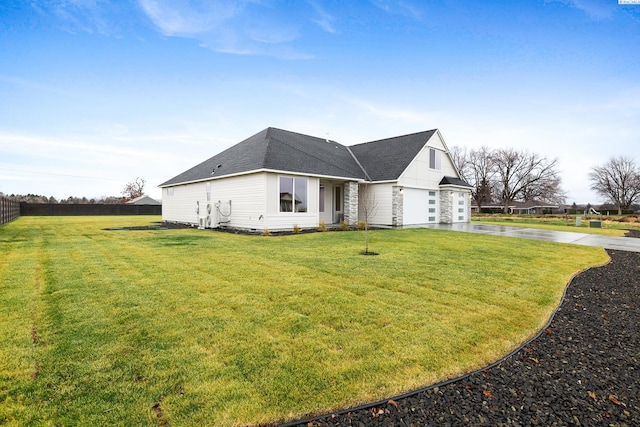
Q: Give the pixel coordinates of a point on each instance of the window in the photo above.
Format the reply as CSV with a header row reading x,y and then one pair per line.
x,y
338,199
460,210
321,201
208,185
432,193
434,159
432,202
170,191
293,194
432,210
432,219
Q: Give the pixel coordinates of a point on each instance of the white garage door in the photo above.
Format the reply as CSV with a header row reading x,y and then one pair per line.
x,y
460,207
419,206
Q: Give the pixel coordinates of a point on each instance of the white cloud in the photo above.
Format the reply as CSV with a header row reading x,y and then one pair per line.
x,y
597,9
87,16
399,7
90,165
188,18
323,19
249,27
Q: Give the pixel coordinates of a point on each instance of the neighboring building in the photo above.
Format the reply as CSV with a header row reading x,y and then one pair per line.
x,y
521,208
143,200
278,179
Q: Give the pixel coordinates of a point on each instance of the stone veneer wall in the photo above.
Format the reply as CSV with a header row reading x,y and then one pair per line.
x,y
446,207
351,203
397,212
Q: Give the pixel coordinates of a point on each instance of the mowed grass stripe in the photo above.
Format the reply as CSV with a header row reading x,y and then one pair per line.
x,y
194,327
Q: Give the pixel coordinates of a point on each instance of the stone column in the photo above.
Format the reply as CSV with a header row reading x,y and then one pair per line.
x,y
446,207
397,203
350,205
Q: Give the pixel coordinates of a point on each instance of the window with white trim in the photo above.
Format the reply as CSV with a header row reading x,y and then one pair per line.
x,y
293,194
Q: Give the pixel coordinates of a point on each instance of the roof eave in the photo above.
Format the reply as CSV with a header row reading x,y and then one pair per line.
x,y
278,171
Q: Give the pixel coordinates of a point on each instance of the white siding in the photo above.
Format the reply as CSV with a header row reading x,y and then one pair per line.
x,y
419,175
254,203
381,198
181,205
247,196
246,193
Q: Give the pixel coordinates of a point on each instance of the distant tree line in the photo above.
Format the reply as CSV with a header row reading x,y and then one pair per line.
x,y
36,198
131,191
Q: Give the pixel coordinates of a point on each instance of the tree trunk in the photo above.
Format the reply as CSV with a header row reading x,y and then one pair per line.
x,y
366,238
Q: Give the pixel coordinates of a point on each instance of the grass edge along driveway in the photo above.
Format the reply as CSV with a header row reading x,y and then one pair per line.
x,y
195,327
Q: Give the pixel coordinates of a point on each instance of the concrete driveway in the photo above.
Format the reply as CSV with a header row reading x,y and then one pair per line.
x,y
607,242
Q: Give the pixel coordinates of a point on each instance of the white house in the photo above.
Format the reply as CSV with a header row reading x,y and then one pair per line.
x,y
143,200
279,179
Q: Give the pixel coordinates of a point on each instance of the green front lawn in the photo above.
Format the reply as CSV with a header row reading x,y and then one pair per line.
x,y
195,327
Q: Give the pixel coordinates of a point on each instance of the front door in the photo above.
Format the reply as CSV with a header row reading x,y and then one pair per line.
x,y
338,215
330,202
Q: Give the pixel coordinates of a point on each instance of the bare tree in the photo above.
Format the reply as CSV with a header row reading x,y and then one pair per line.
x,y
134,189
521,174
368,206
461,161
549,190
618,180
476,167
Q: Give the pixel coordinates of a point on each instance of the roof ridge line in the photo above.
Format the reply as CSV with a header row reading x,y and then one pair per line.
x,y
321,140
366,175
396,137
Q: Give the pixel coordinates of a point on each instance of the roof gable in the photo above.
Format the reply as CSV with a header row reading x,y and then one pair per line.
x,y
454,181
386,159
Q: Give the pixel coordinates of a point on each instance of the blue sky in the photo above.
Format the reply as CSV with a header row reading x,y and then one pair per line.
x,y
94,93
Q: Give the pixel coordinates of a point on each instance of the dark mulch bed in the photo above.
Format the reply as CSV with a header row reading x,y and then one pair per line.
x,y
632,233
582,370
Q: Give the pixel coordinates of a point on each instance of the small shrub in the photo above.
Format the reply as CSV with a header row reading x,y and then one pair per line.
x,y
344,226
266,232
297,229
361,225
322,226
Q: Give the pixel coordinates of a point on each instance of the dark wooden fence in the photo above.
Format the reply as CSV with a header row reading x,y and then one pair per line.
x,y
73,209
9,209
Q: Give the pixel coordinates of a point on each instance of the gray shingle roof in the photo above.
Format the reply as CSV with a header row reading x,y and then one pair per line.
x,y
451,180
282,150
277,149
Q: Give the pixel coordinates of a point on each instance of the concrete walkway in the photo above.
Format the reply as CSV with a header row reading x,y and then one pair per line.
x,y
607,242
